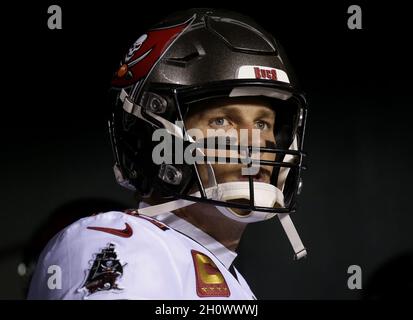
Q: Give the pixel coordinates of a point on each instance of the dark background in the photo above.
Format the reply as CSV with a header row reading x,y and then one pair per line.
x,y
356,203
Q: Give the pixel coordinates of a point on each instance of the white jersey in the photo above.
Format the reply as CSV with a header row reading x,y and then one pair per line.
x,y
116,255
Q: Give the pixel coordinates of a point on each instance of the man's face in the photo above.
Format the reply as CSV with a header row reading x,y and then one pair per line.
x,y
236,114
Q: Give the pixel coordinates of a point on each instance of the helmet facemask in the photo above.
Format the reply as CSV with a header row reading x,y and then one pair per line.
x,y
250,199
176,178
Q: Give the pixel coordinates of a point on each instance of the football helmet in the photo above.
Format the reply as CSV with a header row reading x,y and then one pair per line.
x,y
194,56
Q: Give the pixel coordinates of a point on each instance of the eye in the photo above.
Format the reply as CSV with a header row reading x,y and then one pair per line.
x,y
219,122
262,125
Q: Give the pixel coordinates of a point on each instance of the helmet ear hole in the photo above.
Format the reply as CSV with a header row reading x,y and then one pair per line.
x,y
290,187
286,120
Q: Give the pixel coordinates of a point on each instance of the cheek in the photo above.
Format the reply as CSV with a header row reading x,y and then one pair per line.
x,y
226,172
219,170
268,136
196,129
223,173
196,122
203,173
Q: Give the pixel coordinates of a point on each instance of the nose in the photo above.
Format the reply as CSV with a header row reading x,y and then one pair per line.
x,y
250,136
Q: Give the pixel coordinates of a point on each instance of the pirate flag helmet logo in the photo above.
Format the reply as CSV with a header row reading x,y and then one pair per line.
x,y
145,53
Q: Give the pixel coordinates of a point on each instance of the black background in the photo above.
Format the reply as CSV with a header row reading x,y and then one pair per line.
x,y
355,206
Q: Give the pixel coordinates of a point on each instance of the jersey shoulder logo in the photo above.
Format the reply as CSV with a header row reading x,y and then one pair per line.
x,y
104,273
209,280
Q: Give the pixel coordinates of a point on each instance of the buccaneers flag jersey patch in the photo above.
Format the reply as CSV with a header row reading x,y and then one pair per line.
x,y
104,273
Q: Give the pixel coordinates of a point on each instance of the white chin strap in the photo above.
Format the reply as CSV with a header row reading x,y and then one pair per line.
x,y
265,195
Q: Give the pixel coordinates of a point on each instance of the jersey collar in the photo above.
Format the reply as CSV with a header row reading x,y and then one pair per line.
x,y
222,253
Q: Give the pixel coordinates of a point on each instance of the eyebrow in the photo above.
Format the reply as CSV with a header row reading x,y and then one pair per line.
x,y
265,113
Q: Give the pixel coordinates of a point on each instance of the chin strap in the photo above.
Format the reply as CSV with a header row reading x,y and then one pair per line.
x,y
285,219
292,234
170,206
